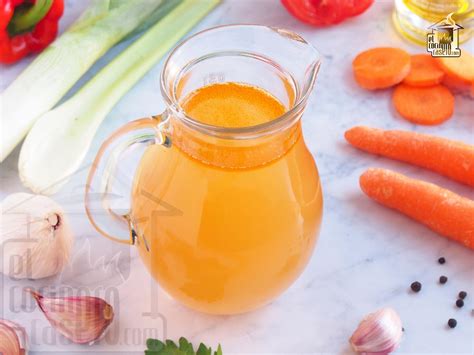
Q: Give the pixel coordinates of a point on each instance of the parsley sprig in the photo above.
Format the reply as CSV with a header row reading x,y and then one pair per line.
x,y
184,347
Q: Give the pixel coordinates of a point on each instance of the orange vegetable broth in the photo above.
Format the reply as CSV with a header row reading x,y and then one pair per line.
x,y
229,239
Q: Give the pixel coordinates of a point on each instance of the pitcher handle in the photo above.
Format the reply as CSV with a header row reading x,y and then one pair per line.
x,y
144,132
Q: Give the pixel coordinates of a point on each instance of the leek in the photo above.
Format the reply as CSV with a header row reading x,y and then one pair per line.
x,y
48,78
59,140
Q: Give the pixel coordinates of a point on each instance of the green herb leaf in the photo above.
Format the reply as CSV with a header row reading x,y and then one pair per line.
x,y
154,344
169,347
186,346
203,350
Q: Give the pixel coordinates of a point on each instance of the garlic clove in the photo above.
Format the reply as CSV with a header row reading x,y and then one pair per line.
x,y
378,333
34,235
83,320
13,338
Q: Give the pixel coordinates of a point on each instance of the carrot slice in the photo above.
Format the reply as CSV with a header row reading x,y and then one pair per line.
x,y
424,71
429,105
459,70
439,209
381,67
450,158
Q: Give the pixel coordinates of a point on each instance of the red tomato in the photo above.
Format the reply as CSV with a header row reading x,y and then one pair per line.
x,y
325,12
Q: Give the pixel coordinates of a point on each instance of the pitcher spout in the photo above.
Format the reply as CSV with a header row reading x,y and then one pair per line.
x,y
308,60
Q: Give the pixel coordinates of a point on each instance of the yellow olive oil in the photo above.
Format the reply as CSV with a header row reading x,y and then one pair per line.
x,y
412,18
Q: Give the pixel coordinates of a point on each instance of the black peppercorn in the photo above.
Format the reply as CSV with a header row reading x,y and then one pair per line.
x,y
452,323
443,279
459,303
462,295
415,286
441,260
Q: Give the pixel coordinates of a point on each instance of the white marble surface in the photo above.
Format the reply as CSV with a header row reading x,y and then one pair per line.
x,y
366,258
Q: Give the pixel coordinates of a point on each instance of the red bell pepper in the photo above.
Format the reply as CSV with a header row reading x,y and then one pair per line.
x,y
325,12
27,26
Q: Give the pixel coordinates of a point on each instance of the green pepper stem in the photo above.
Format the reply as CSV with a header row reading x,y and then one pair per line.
x,y
27,16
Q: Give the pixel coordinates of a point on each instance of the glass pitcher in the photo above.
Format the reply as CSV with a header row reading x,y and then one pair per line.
x,y
224,218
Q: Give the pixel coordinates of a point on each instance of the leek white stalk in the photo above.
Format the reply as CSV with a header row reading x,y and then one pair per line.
x,y
48,78
58,142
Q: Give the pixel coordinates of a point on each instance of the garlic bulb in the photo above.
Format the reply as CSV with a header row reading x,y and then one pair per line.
x,y
13,338
34,236
83,320
378,333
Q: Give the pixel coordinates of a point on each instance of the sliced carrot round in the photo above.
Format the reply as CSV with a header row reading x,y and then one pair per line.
x,y
381,67
424,71
459,70
429,105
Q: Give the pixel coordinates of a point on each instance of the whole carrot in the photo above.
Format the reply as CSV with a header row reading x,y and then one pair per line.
x,y
439,209
453,159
